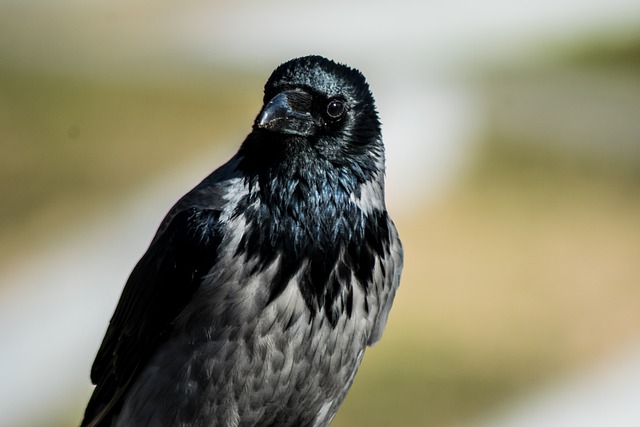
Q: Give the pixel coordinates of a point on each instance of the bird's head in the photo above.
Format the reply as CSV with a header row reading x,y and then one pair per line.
x,y
323,106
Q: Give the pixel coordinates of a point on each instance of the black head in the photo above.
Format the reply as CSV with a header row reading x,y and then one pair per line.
x,y
323,106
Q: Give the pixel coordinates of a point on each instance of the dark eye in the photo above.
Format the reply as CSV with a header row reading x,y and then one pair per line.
x,y
335,109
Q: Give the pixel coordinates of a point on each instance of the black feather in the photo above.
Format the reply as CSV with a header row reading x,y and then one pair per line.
x,y
160,286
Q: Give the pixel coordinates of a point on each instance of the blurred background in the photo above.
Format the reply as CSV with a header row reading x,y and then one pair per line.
x,y
513,142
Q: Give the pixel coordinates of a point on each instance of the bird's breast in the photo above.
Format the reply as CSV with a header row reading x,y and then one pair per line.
x,y
278,365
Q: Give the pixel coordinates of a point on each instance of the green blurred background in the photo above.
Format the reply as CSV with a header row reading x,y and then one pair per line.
x,y
522,266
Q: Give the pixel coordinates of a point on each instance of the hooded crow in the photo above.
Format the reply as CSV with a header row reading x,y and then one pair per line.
x,y
263,286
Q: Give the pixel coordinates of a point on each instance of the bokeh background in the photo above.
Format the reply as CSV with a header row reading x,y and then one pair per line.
x,y
513,144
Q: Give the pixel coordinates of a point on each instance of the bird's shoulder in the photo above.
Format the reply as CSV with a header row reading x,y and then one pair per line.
x,y
160,286
387,279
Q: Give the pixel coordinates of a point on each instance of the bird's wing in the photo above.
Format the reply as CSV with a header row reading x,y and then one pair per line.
x,y
160,286
392,262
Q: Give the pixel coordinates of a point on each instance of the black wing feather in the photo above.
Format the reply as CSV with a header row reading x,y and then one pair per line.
x,y
160,286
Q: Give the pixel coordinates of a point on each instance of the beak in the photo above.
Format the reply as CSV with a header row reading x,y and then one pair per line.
x,y
288,113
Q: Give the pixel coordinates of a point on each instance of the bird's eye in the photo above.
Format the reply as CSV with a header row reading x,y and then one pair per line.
x,y
335,109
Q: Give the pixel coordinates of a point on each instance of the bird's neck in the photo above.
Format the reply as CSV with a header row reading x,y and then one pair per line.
x,y
310,217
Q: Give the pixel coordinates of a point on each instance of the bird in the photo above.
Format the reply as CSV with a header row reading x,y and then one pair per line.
x,y
263,286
